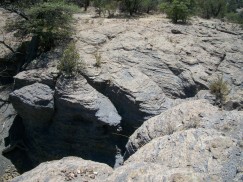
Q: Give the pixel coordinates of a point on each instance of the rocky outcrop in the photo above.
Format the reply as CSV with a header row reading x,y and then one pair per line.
x,y
83,119
189,114
180,64
141,74
130,86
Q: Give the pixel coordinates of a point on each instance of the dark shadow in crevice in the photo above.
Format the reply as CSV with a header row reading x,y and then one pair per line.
x,y
17,156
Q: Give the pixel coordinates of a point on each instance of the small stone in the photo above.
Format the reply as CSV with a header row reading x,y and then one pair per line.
x,y
71,175
92,176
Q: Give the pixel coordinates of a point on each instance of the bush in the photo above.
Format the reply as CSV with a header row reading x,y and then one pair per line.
x,y
69,61
220,89
148,5
212,8
178,10
132,6
235,17
49,21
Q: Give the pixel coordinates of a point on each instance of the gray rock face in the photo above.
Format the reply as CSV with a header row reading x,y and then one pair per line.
x,y
130,91
190,114
199,150
77,100
67,169
133,71
44,76
83,120
180,64
34,103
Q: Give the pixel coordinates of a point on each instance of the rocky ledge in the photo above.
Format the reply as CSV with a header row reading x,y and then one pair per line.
x,y
143,107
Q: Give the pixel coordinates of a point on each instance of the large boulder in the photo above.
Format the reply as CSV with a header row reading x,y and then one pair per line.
x,y
35,104
75,99
198,150
189,114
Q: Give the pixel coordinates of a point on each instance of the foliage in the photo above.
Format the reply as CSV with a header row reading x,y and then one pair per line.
x,y
97,59
132,6
178,10
212,8
235,17
49,21
69,62
103,6
148,5
220,89
81,3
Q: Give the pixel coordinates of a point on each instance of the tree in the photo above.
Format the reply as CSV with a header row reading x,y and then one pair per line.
x,y
212,8
103,6
178,10
49,21
132,6
148,5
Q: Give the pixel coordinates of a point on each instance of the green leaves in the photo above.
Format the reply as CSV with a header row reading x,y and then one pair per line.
x,y
178,10
69,61
220,89
49,21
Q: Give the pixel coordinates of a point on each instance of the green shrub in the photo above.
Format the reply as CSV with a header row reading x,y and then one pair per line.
x,y
220,89
235,17
69,62
131,6
178,11
49,21
148,5
212,8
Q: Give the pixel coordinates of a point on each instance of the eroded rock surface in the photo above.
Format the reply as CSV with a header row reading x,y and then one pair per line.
x,y
199,150
180,64
136,72
189,114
